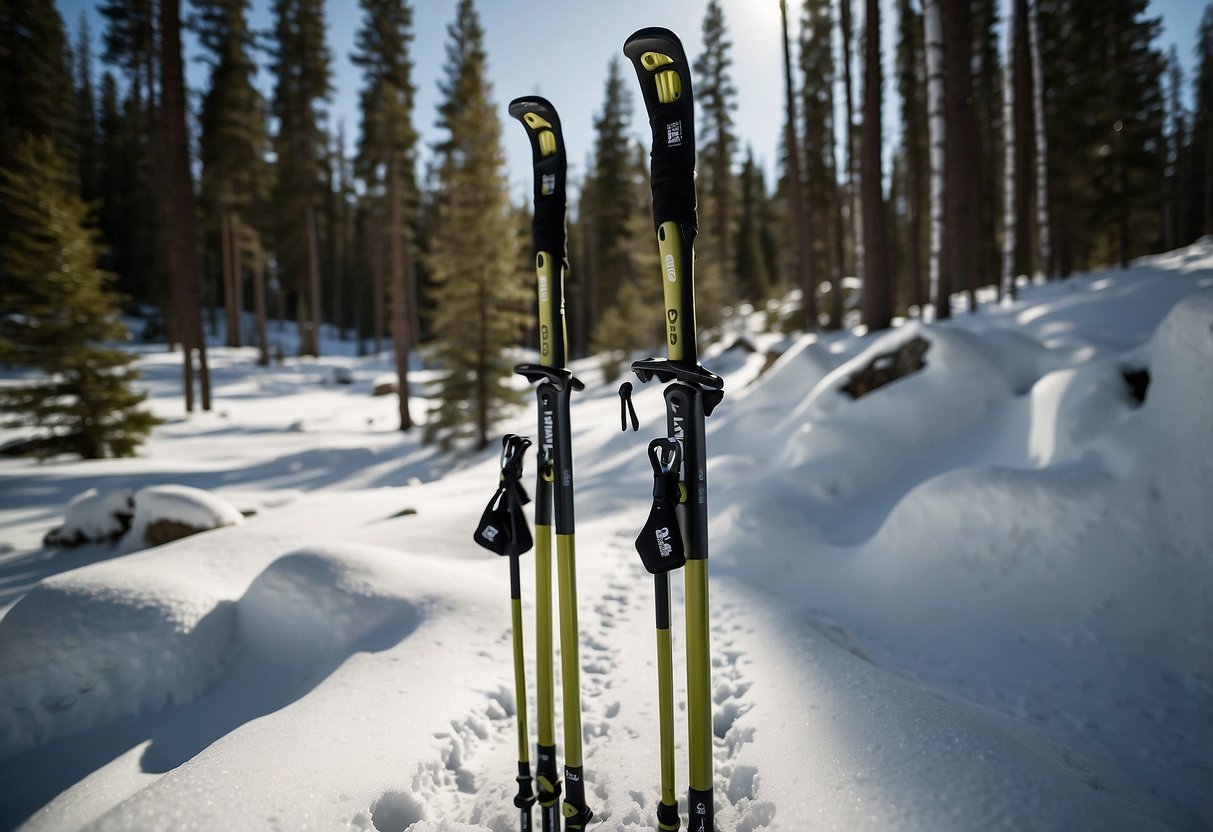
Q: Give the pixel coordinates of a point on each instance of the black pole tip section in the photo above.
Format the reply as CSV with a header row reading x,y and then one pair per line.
x,y
700,812
503,528
576,814
659,543
525,797
667,817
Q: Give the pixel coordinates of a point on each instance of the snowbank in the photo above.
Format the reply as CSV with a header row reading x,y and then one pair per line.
x,y
93,516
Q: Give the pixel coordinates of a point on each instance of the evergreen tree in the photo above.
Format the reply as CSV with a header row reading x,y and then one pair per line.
x,y
753,269
606,202
627,325
86,139
481,300
716,100
232,142
58,313
386,159
1104,124
960,130
35,84
301,87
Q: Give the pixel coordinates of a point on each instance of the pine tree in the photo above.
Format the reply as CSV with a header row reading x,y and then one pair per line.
x,y
86,139
752,267
386,159
627,324
233,144
35,84
1104,122
301,87
716,100
58,315
606,203
960,128
1174,230
481,300
134,214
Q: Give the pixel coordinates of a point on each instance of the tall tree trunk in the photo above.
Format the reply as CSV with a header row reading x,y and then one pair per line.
x,y
397,254
1023,141
313,281
800,234
1044,231
877,295
377,285
263,344
853,207
180,217
937,268
1011,174
961,134
237,277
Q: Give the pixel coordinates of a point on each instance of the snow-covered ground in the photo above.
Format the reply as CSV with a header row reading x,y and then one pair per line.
x,y
979,597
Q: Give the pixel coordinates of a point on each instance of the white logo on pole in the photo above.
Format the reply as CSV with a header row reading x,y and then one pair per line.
x,y
490,533
673,134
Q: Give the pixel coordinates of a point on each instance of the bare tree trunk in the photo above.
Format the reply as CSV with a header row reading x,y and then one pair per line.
x,y
795,193
377,285
263,343
1048,267
396,249
238,275
313,282
180,232
877,295
1011,175
961,132
940,292
853,206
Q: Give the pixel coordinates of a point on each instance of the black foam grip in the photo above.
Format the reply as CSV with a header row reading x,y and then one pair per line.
x,y
548,226
673,126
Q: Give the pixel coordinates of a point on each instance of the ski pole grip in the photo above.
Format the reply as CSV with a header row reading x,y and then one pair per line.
x,y
665,80
542,124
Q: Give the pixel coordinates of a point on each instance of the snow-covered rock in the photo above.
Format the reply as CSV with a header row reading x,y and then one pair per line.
x,y
94,517
168,512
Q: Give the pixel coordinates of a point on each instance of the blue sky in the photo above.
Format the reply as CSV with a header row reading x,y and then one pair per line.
x,y
561,50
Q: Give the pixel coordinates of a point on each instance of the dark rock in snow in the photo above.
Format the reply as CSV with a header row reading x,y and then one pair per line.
x,y
888,367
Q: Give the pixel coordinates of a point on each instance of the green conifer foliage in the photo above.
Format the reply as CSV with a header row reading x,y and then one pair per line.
x,y
481,301
59,316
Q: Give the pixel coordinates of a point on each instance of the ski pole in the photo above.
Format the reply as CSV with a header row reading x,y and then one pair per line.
x,y
554,490
692,392
503,529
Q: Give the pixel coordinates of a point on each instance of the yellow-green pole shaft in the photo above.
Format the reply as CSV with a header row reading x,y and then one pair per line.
x,y
543,635
699,676
667,809
570,655
520,681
